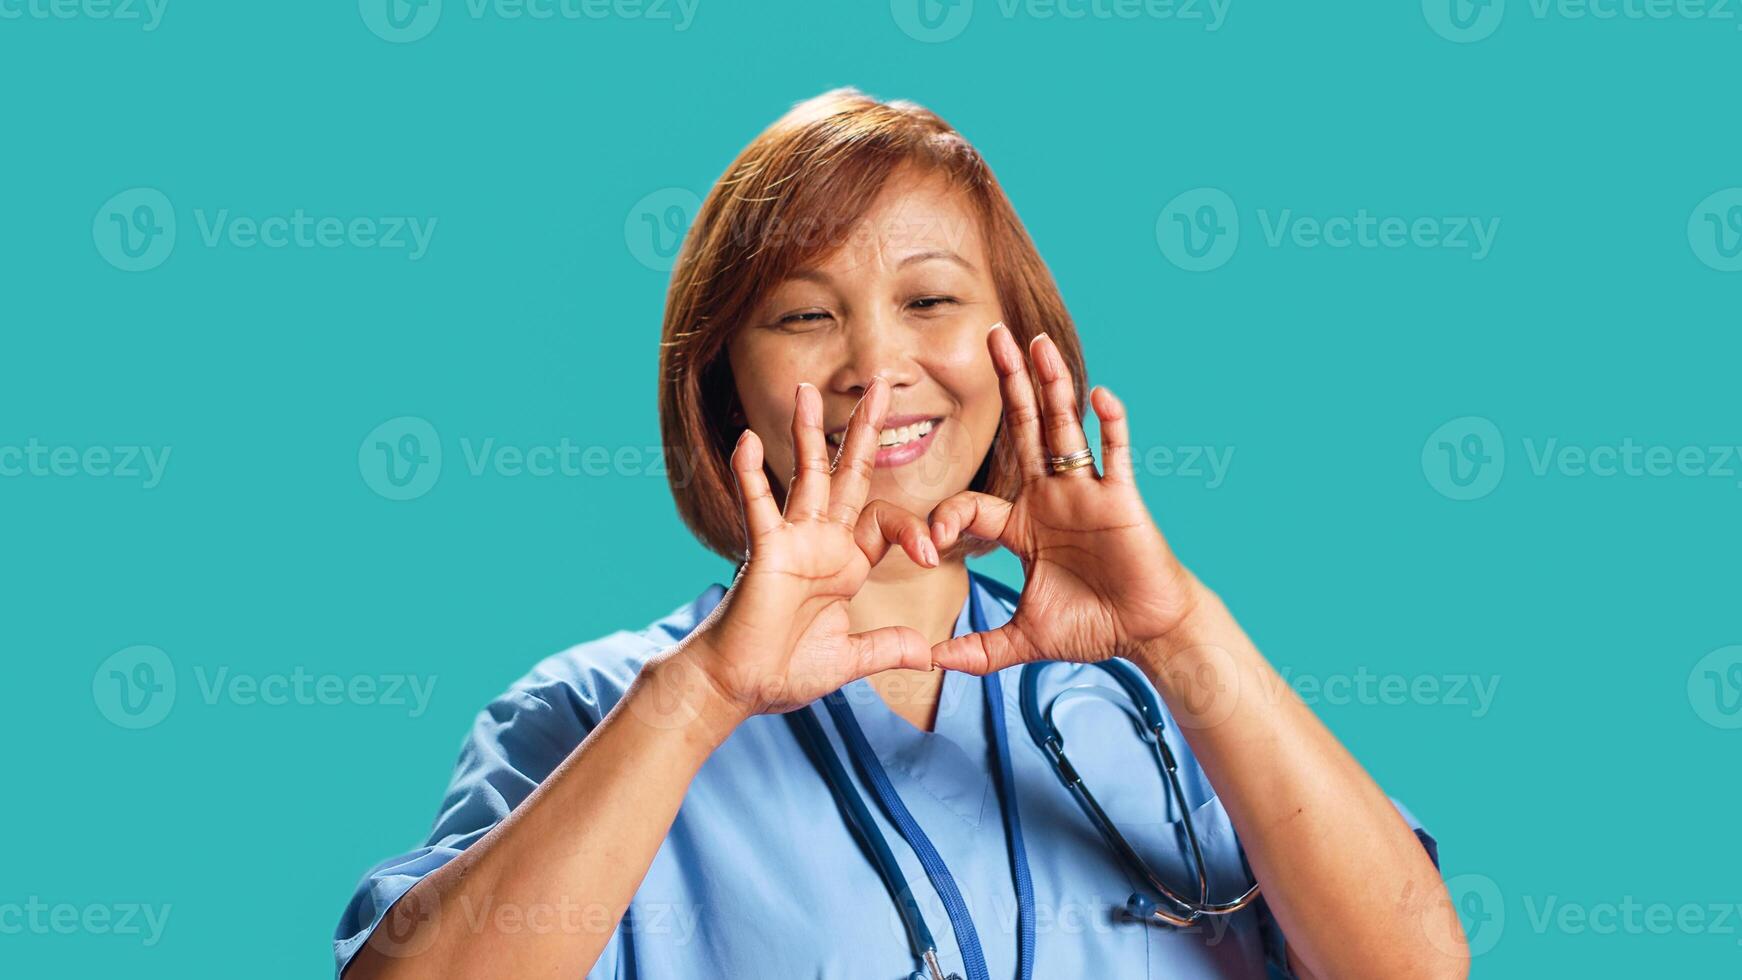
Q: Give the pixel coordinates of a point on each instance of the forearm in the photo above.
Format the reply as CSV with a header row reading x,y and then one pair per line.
x,y
541,893
1351,886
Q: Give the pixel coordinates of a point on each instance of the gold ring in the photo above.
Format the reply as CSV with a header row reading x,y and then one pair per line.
x,y
1071,461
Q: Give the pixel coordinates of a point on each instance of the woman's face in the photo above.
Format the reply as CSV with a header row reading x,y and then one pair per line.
x,y
908,297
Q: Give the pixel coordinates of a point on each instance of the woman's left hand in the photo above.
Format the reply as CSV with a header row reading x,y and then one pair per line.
x,y
1100,578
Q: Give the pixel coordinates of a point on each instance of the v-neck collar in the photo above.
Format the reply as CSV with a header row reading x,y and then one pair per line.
x,y
951,763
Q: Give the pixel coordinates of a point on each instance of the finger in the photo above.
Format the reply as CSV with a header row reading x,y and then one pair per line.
x,y
983,653
884,524
888,648
971,512
1058,399
851,482
808,493
1021,416
1115,436
761,514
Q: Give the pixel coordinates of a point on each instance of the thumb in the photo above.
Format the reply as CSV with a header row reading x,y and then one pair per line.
x,y
888,648
983,653
971,512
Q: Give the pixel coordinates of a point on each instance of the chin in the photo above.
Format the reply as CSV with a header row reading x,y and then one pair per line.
x,y
945,468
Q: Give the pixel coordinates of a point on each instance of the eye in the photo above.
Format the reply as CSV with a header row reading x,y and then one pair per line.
x,y
800,321
926,304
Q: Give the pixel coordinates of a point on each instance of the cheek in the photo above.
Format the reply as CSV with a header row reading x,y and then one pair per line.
x,y
767,380
973,383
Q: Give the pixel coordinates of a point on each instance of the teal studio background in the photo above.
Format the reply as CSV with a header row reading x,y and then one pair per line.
x,y
1478,497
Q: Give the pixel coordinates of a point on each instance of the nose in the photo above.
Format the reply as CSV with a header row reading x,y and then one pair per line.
x,y
877,345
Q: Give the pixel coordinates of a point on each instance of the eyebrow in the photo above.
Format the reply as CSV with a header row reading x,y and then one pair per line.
x,y
936,253
818,276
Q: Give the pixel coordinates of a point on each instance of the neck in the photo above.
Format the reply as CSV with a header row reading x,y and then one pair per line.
x,y
900,593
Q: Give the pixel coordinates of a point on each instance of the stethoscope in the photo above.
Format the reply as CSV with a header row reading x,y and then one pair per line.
x,y
1164,906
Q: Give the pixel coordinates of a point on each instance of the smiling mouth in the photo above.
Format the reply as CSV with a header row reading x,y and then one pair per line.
x,y
893,436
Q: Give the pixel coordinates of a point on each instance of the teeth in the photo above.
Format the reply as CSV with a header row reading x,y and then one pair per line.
x,y
892,437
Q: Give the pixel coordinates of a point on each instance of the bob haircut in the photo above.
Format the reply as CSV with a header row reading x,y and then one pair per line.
x,y
793,197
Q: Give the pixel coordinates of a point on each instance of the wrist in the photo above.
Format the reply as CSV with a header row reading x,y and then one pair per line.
x,y
1196,629
676,692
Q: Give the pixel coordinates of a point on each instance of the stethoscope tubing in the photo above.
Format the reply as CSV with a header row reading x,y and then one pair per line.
x,y
1173,909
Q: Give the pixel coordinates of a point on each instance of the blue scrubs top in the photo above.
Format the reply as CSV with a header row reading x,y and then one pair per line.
x,y
761,876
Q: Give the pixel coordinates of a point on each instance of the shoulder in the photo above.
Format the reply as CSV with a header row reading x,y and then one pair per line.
x,y
586,680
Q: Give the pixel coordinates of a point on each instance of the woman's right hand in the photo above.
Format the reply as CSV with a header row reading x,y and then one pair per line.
x,y
779,638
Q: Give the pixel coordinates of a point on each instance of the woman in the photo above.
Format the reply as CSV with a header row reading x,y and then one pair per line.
x,y
671,802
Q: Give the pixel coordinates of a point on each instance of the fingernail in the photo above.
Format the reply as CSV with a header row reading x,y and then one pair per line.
x,y
937,531
995,326
930,552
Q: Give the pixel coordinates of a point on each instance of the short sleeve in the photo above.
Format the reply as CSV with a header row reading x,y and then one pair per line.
x,y
1276,945
514,744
